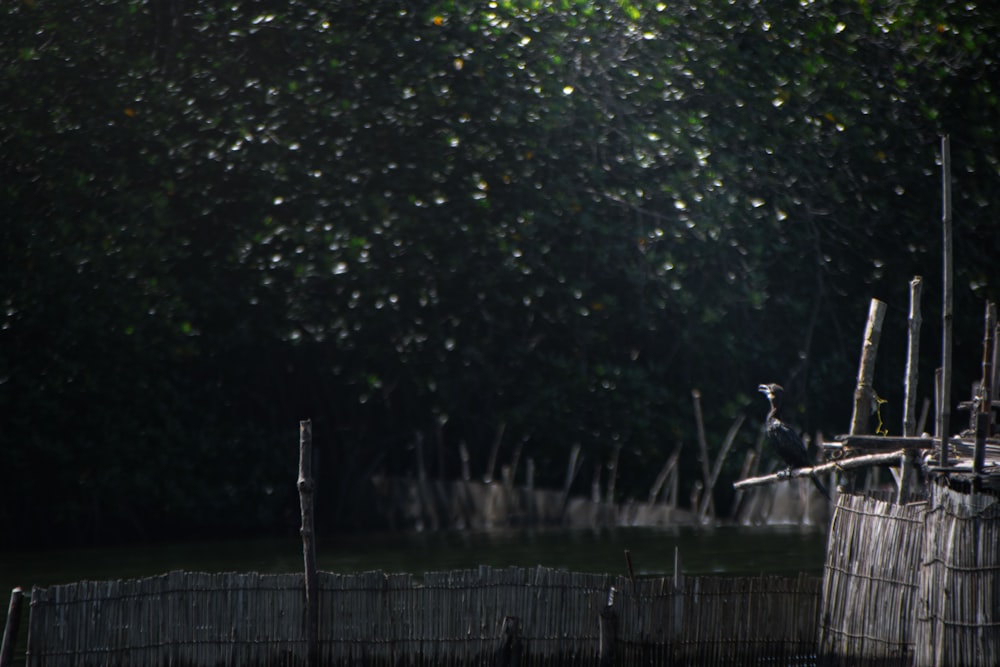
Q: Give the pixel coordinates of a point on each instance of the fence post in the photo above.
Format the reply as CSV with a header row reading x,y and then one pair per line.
x,y
306,487
11,628
609,631
511,645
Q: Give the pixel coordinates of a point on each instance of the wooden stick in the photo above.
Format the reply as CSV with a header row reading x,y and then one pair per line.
x,y
912,359
866,369
11,628
572,468
948,299
985,391
654,491
306,488
703,448
843,464
613,474
734,429
924,411
996,362
938,377
491,467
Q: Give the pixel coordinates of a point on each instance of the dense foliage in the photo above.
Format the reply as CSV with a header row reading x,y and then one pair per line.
x,y
427,220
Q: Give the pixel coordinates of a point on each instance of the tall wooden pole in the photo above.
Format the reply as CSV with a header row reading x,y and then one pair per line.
x,y
306,488
863,393
985,391
946,311
912,357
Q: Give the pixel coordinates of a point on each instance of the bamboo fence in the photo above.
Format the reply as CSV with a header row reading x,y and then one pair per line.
x,y
958,616
485,616
870,581
913,584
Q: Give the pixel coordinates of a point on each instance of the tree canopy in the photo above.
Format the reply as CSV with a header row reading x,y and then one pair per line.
x,y
434,218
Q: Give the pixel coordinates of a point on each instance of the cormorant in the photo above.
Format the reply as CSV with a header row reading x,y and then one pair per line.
x,y
785,441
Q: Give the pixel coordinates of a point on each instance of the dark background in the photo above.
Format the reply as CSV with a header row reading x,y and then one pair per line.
x,y
415,220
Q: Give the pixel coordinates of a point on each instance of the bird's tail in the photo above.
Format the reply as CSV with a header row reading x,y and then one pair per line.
x,y
819,485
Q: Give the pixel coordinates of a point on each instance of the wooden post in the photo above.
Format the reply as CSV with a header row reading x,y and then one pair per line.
x,y
678,593
306,488
948,298
609,494
511,642
608,640
463,454
571,469
912,357
985,391
727,444
996,362
661,479
703,449
938,377
908,463
10,630
863,393
494,451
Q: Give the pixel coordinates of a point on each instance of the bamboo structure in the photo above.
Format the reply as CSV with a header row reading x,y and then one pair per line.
x,y
958,617
948,299
868,597
483,616
913,584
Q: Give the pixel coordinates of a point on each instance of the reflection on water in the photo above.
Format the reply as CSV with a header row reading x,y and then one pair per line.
x,y
720,550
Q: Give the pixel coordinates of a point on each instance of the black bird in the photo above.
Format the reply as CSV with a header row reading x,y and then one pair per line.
x,y
785,441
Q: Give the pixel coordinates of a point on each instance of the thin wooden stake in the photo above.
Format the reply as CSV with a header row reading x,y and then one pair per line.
x,y
727,444
703,448
494,451
572,468
985,391
306,488
912,357
863,393
10,630
948,298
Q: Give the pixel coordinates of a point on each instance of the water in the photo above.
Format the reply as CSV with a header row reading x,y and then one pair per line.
x,y
720,550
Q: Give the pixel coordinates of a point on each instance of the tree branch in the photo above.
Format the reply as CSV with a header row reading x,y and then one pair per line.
x,y
843,464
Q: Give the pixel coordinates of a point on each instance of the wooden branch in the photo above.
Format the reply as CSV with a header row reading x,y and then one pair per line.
x,y
843,464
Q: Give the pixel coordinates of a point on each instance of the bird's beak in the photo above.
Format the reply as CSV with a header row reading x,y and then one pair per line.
x,y
764,389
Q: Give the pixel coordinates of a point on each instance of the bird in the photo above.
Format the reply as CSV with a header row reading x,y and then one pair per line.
x,y
785,441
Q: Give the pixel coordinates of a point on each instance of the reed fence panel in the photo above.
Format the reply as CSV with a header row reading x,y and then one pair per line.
x,y
484,616
958,614
870,581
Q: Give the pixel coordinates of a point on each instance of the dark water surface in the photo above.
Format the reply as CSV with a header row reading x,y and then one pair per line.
x,y
720,550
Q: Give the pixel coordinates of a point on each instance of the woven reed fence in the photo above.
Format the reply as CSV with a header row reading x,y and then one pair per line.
x,y
914,584
870,581
958,615
483,617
